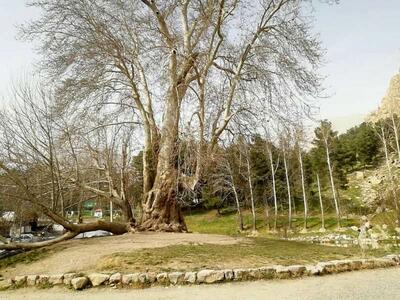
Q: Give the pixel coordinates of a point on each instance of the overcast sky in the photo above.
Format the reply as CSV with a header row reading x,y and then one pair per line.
x,y
362,38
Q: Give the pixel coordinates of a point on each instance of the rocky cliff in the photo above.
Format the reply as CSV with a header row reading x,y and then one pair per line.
x,y
390,103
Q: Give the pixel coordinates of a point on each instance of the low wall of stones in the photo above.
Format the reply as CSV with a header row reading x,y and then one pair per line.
x,y
80,281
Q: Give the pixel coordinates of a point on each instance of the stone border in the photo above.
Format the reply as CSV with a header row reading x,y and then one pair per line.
x,y
79,281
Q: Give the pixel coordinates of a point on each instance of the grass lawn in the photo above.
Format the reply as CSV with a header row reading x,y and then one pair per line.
x,y
251,252
24,257
211,222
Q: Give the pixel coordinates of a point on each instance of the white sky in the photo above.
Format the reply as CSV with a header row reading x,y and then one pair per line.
x,y
362,38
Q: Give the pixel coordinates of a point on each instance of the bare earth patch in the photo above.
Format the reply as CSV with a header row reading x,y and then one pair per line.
x,y
83,254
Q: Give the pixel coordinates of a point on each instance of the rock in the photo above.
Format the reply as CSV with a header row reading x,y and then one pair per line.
x,y
115,278
20,280
267,272
68,277
314,270
162,278
240,274
79,283
56,279
128,279
31,280
356,264
393,257
190,277
282,272
297,270
142,277
342,265
98,278
210,276
368,263
6,284
354,228
390,103
254,274
327,267
176,277
229,275
151,277
383,262
43,279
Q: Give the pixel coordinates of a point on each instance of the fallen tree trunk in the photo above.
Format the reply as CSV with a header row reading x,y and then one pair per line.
x,y
30,246
114,228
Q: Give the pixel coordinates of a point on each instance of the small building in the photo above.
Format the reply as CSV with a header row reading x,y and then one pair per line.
x,y
98,213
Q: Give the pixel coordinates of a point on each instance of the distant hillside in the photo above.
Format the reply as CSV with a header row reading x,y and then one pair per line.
x,y
390,103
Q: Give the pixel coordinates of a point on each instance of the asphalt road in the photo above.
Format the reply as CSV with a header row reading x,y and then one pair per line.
x,y
370,284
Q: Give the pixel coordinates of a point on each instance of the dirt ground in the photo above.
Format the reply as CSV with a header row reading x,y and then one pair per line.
x,y
82,254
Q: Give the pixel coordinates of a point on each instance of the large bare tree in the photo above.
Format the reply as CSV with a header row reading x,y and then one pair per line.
x,y
174,62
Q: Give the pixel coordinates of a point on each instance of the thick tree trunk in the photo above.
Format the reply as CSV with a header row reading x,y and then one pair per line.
x,y
161,211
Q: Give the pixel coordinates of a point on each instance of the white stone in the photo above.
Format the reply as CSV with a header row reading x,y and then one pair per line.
x,y
314,270
176,277
115,278
128,279
68,277
56,279
190,277
151,277
210,276
98,278
393,257
240,274
229,275
267,272
297,270
31,280
79,283
5,284
143,278
43,279
327,267
20,280
254,274
162,278
282,271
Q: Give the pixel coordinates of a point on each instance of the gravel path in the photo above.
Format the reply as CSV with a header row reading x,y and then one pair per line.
x,y
370,284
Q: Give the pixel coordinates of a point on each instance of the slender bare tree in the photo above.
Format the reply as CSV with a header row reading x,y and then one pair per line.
x,y
299,136
322,229
286,165
392,181
325,132
273,172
